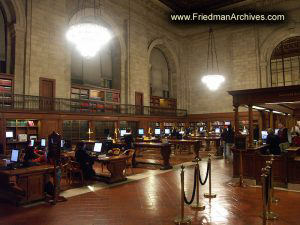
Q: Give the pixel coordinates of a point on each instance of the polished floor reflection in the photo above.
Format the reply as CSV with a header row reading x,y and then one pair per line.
x,y
156,200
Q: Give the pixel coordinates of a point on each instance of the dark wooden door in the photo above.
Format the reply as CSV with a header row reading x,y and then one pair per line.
x,y
139,103
47,94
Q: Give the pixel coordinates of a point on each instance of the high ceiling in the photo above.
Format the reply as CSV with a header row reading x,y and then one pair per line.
x,y
197,5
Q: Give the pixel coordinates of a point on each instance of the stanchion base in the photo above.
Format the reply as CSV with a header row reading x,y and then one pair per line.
x,y
183,221
211,195
272,216
196,159
198,207
275,200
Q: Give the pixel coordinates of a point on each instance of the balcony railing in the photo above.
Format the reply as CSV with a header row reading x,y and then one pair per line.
x,y
37,103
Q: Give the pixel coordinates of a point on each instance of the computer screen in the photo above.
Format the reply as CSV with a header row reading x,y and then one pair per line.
x,y
9,134
227,123
157,131
97,147
141,131
181,132
264,135
14,155
31,142
122,133
201,129
167,131
43,142
217,130
276,131
62,143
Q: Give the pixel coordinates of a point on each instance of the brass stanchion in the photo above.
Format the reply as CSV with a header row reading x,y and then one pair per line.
x,y
273,199
197,205
182,220
270,215
264,178
209,194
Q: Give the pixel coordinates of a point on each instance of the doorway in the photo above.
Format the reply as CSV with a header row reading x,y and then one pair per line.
x,y
139,103
47,94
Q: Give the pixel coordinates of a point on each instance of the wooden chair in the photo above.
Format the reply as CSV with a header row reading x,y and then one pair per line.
x,y
130,153
65,165
73,169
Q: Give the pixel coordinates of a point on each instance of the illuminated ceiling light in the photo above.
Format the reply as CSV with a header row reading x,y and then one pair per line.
x,y
212,80
87,34
258,107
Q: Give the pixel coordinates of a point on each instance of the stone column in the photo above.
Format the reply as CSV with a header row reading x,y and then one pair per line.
x,y
236,119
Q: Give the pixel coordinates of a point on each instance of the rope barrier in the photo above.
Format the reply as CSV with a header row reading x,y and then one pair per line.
x,y
207,172
194,190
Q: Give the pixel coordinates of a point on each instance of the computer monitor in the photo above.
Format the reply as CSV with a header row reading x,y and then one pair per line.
x,y
62,143
43,142
14,155
167,131
276,131
227,123
122,133
31,142
217,130
9,134
201,129
157,131
181,132
264,135
97,147
141,131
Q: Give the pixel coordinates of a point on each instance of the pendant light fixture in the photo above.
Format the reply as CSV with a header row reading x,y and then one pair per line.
x,y
213,79
87,33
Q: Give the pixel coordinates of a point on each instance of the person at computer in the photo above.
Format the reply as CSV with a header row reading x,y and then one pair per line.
x,y
229,140
32,157
283,136
273,141
128,138
86,162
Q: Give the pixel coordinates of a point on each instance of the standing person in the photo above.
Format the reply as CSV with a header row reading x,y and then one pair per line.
x,y
128,138
229,140
223,141
86,162
273,141
283,136
256,133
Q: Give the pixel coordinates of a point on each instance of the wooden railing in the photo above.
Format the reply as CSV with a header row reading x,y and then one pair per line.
x,y
37,103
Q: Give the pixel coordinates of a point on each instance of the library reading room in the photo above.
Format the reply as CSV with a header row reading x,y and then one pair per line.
x,y
149,112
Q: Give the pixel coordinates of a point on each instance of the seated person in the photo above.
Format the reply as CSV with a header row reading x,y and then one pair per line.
x,y
128,139
86,162
273,141
31,155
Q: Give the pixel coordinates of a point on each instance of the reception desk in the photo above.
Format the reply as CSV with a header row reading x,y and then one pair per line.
x,y
286,166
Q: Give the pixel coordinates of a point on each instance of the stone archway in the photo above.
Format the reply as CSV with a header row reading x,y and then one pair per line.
x,y
120,43
172,62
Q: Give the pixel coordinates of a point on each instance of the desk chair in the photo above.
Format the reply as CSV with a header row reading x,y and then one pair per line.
x,y
130,153
73,169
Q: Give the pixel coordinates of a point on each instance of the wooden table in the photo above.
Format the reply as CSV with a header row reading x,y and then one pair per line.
x,y
116,166
156,140
209,139
195,143
25,185
165,151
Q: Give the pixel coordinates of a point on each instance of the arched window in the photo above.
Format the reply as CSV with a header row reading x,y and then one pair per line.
x,y
102,70
285,63
159,74
2,42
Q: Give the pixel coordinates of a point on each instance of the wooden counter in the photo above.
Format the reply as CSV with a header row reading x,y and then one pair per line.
x,y
25,185
195,143
165,151
285,167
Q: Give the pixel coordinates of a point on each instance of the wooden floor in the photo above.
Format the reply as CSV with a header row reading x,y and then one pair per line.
x,y
156,201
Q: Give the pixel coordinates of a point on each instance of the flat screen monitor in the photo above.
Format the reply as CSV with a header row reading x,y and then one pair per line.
x,y
167,131
43,142
141,131
217,130
32,142
227,123
276,131
62,143
181,132
157,131
9,134
98,147
14,155
264,135
201,129
122,133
